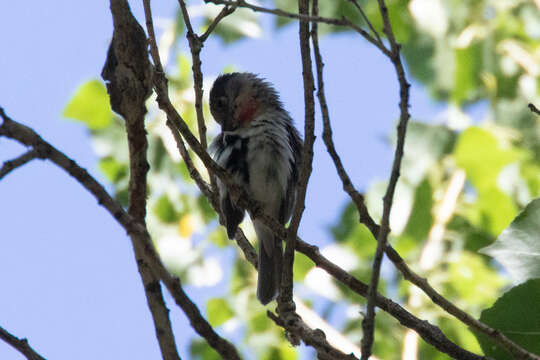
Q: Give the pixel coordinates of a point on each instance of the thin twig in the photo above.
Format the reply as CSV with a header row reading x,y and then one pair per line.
x,y
226,11
20,345
19,161
368,323
364,16
330,21
28,137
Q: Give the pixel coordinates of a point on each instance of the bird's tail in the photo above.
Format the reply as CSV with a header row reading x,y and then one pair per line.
x,y
270,262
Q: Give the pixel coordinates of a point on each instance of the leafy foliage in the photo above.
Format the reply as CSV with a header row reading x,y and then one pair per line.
x,y
517,315
518,248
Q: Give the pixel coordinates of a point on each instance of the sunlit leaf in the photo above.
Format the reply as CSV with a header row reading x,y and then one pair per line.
x,y
112,169
517,315
219,237
90,104
200,350
164,210
218,311
302,264
186,225
468,67
518,247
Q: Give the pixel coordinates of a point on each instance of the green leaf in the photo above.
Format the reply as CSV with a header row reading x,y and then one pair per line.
x,y
283,352
517,315
468,62
518,247
259,323
112,169
90,104
219,237
200,350
207,211
302,264
165,211
478,152
218,311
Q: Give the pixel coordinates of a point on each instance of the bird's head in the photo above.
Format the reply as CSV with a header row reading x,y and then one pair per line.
x,y
236,99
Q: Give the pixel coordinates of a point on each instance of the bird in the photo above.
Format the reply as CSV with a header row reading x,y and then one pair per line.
x,y
262,150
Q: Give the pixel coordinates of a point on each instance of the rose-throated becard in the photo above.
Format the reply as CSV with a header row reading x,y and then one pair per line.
x,y
262,150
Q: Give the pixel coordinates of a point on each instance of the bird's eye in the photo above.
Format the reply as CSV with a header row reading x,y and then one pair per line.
x,y
221,102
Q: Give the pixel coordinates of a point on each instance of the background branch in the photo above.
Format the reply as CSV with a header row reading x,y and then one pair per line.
x,y
20,345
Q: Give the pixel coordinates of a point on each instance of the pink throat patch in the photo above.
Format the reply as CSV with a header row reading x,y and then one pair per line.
x,y
247,113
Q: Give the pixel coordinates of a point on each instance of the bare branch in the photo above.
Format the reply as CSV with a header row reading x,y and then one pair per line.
x,y
20,345
19,161
330,21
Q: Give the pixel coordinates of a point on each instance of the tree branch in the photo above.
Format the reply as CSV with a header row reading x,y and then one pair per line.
x,y
19,161
20,345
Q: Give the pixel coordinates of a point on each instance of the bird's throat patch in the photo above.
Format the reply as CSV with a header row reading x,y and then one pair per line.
x,y
247,113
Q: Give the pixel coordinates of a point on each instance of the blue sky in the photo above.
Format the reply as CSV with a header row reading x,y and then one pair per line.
x,y
69,282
